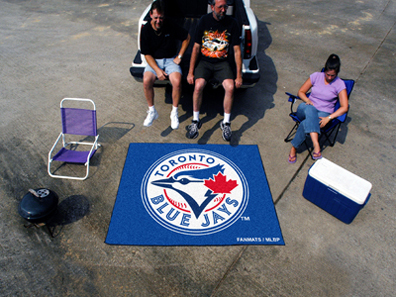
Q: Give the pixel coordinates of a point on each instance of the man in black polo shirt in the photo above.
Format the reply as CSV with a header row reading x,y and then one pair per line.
x,y
159,46
216,34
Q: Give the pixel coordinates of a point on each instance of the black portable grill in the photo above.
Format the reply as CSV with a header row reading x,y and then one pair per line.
x,y
38,206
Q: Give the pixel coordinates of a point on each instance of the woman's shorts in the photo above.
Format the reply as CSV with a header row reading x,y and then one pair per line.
x,y
219,71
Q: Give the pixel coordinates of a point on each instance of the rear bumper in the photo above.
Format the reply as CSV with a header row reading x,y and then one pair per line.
x,y
249,77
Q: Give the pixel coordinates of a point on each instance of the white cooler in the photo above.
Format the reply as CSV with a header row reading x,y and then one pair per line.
x,y
336,190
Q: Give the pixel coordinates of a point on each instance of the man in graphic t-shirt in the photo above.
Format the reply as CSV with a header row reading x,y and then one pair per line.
x,y
216,34
158,44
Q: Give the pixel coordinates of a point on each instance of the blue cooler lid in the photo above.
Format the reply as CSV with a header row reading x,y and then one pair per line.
x,y
341,180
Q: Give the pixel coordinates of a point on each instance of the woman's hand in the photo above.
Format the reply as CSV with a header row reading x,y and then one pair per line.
x,y
309,102
324,121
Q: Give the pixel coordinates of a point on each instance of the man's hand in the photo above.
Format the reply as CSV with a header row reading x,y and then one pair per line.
x,y
177,60
190,78
161,74
238,82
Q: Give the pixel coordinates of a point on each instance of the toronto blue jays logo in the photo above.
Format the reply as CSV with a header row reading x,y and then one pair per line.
x,y
195,192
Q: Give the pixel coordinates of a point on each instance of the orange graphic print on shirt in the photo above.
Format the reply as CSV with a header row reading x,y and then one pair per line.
x,y
215,44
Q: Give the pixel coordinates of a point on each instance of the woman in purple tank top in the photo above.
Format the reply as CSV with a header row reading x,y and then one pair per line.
x,y
317,110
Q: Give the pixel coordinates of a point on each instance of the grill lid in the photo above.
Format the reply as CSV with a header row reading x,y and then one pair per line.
x,y
38,204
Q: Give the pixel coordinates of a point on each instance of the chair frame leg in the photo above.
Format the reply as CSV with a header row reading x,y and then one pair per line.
x,y
292,132
328,135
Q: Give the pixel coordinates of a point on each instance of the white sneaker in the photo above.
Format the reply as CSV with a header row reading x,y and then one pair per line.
x,y
174,120
151,116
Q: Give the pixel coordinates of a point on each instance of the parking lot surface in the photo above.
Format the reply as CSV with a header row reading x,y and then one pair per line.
x,y
67,48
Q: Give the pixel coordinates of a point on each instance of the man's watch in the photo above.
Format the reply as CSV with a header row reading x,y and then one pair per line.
x,y
180,57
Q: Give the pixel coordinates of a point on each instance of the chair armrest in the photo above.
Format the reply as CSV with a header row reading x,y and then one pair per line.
x,y
292,100
292,97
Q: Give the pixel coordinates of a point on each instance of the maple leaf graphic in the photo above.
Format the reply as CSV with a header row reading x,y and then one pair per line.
x,y
220,185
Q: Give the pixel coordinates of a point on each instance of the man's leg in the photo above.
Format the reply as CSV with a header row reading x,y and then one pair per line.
x,y
228,85
200,84
148,87
175,79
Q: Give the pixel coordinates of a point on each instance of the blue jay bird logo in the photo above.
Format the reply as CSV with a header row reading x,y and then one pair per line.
x,y
181,184
194,192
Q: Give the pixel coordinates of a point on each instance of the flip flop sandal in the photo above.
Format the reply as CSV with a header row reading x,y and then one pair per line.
x,y
291,158
317,156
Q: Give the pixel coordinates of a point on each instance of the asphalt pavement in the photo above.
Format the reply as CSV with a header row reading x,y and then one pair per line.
x,y
67,48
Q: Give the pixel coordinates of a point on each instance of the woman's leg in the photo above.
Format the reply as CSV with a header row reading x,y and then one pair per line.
x,y
309,125
293,155
300,135
315,135
315,142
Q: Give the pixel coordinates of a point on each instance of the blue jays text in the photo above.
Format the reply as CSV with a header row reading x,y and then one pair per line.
x,y
184,220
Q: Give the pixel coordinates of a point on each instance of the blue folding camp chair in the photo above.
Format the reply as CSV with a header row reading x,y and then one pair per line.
x,y
76,122
332,127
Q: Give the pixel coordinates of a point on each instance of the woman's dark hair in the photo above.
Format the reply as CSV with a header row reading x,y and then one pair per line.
x,y
159,6
333,63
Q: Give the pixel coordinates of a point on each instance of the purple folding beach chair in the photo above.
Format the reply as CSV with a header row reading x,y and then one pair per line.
x,y
76,122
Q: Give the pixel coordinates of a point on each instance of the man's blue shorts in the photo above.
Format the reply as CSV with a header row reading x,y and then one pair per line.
x,y
166,64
